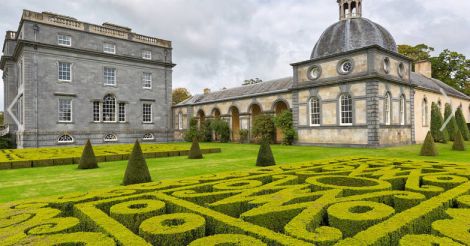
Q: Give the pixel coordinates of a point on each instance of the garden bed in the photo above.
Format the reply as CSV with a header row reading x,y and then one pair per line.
x,y
41,157
346,201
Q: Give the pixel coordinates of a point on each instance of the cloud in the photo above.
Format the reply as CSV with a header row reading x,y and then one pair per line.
x,y
221,43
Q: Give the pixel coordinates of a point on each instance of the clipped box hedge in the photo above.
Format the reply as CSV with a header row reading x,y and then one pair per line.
x,y
346,201
55,156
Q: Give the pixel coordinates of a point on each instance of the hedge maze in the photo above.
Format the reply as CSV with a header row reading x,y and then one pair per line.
x,y
348,201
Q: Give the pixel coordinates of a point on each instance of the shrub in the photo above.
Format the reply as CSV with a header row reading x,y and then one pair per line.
x,y
195,151
137,170
7,142
265,155
263,127
221,130
284,121
429,148
88,159
436,124
244,136
462,125
459,143
192,131
206,131
452,125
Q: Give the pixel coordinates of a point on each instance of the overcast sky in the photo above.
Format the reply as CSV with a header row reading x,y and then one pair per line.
x,y
220,43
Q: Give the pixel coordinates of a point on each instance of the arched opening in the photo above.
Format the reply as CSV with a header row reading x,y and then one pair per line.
x,y
402,110
216,113
254,110
353,9
201,118
388,109
424,112
346,9
235,123
279,107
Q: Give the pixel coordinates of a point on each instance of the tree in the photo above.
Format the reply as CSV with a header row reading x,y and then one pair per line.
x,y
453,69
436,124
192,131
179,95
265,155
452,125
285,122
429,147
462,125
459,143
416,53
137,171
195,151
263,127
221,130
88,159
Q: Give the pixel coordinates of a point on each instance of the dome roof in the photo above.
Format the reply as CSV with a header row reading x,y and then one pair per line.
x,y
351,34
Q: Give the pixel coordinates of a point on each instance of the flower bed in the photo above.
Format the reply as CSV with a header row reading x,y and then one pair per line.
x,y
347,201
40,157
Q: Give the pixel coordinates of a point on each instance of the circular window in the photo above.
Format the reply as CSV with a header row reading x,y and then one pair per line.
x,y
401,70
314,72
387,65
345,66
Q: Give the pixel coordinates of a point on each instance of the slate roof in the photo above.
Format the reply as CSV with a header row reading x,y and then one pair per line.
x,y
424,82
267,87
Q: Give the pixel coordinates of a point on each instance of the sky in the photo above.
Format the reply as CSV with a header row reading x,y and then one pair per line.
x,y
221,43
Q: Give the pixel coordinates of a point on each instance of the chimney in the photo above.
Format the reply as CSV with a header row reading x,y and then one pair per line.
x,y
207,91
424,68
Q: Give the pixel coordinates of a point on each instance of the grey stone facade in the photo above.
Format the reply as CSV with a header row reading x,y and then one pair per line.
x,y
30,64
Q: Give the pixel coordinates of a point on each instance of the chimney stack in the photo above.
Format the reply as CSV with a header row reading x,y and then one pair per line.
x,y
424,68
207,91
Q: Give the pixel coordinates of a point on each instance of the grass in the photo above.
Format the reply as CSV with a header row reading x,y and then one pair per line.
x,y
36,182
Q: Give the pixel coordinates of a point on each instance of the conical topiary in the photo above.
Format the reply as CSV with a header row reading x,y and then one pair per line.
x,y
459,143
88,159
265,155
195,151
462,124
137,170
429,148
452,125
436,124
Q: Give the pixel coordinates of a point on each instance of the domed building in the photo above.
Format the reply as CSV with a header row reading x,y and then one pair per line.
x,y
355,90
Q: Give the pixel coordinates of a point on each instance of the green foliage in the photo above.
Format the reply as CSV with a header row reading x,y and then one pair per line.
x,y
263,127
462,125
459,143
221,130
179,95
436,124
192,131
453,69
137,170
7,142
285,122
265,155
429,148
2,118
206,131
416,53
452,125
244,136
88,159
195,151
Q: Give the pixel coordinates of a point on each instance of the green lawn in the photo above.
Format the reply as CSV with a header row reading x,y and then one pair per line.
x,y
35,182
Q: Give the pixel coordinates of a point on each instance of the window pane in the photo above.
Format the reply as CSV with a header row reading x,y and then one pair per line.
x,y
64,40
109,48
65,110
109,76
65,73
146,54
122,112
109,109
147,80
96,111
147,113
314,111
346,109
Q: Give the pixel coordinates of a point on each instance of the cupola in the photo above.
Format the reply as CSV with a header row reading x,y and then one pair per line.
x,y
349,9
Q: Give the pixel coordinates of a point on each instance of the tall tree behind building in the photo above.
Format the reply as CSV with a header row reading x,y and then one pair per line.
x,y
179,95
450,67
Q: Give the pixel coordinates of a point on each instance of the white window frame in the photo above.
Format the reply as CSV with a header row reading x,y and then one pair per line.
x,y
147,80
146,54
180,121
109,48
63,72
61,114
110,138
144,113
110,110
424,112
68,141
122,114
96,114
110,78
341,111
64,40
388,109
402,110
312,107
148,137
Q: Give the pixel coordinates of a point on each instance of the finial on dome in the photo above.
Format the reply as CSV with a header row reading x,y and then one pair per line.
x,y
350,9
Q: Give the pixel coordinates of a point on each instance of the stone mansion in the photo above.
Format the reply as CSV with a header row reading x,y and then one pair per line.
x,y
67,81
355,90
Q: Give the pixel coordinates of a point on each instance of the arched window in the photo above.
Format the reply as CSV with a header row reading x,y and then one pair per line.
x,y
65,139
314,104
109,108
346,10
148,137
439,105
180,121
402,110
353,9
425,112
388,108
346,110
110,138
